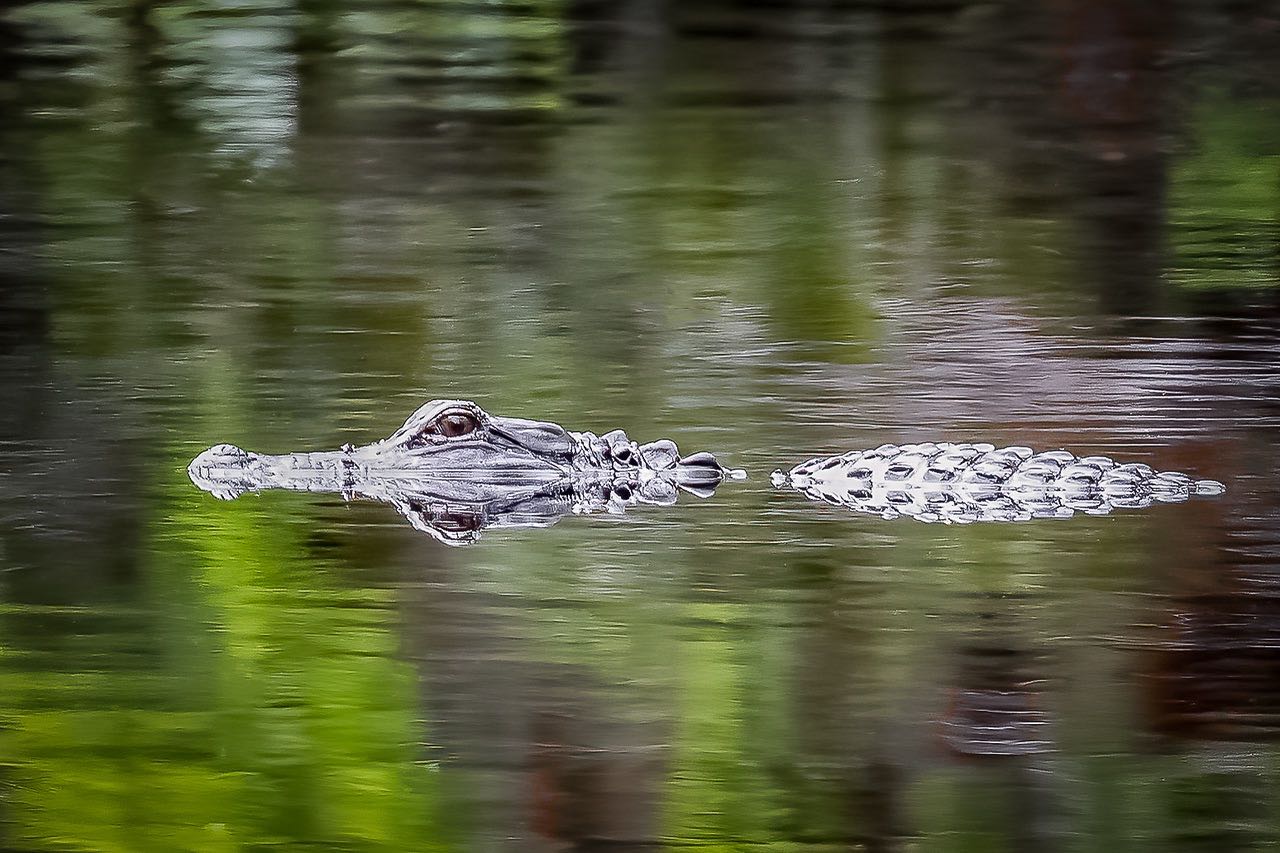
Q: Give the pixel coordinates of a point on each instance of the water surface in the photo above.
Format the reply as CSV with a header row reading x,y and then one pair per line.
x,y
769,230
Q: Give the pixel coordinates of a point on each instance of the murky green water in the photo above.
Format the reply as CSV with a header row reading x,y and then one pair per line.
x,y
768,230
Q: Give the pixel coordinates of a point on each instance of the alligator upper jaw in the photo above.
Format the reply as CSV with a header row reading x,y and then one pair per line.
x,y
469,473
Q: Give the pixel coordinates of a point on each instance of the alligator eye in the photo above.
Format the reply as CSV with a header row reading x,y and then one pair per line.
x,y
455,425
449,425
452,425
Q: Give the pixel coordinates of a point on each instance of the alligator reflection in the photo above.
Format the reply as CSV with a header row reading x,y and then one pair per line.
x,y
442,509
455,523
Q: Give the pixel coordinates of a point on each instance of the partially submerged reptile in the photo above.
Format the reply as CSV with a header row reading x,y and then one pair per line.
x,y
454,469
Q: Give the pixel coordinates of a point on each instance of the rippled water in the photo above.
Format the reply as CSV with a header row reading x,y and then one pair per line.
x,y
769,230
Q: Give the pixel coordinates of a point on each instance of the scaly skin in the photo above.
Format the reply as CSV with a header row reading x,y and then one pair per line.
x,y
963,483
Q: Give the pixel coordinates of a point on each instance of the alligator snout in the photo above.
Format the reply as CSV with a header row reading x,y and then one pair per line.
x,y
221,471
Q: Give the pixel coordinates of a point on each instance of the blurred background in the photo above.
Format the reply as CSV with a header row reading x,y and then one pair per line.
x,y
767,228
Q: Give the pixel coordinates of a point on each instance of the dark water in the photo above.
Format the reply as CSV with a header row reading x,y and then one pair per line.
x,y
766,229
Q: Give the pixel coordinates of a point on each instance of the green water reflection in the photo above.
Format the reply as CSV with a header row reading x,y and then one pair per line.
x,y
769,232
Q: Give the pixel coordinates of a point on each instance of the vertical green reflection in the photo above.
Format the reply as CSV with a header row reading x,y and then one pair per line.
x,y
316,716
714,793
733,777
261,704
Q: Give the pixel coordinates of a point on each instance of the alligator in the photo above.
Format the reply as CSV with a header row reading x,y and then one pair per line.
x,y
453,470
964,483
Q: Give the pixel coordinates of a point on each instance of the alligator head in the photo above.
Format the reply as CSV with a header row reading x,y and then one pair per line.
x,y
454,469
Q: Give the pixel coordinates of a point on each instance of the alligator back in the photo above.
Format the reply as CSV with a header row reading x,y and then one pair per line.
x,y
943,482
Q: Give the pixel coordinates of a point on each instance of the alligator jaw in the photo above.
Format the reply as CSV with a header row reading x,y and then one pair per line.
x,y
227,471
